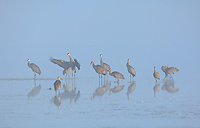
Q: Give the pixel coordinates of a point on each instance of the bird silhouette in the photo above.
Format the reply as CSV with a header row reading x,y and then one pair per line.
x,y
117,75
57,84
130,69
35,69
99,69
156,74
170,71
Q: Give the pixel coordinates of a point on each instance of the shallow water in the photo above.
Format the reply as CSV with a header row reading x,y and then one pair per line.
x,y
168,108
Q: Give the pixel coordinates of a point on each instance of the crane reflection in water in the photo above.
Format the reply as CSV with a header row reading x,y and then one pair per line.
x,y
169,86
69,93
130,89
100,91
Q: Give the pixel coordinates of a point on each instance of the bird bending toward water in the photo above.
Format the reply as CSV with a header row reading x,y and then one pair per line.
x,y
170,71
130,69
57,84
117,75
156,74
34,68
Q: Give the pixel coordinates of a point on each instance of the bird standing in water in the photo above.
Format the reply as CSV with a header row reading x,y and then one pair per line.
x,y
57,84
34,68
99,69
104,65
156,74
130,69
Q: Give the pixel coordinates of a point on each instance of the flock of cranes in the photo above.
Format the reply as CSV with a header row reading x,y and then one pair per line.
x,y
102,69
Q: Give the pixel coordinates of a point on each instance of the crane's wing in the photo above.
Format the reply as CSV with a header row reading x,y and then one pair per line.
x,y
61,63
131,70
35,68
77,64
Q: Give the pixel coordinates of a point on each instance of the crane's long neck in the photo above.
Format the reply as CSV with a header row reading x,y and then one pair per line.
x,y
28,64
127,64
71,60
154,70
93,65
110,73
101,61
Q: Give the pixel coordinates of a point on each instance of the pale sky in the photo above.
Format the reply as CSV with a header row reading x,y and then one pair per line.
x,y
149,33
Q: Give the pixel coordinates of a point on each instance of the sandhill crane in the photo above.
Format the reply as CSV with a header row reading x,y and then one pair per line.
x,y
73,63
116,89
104,65
170,71
117,75
57,84
130,69
34,68
156,89
156,74
130,89
64,64
99,69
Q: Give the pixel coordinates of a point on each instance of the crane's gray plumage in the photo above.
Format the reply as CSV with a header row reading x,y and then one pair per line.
x,y
104,65
170,71
67,71
34,67
99,69
163,68
61,63
130,69
116,74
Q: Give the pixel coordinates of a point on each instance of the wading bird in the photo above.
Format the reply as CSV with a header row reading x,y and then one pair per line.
x,y
34,68
156,74
104,65
130,69
66,65
117,75
170,71
99,69
57,84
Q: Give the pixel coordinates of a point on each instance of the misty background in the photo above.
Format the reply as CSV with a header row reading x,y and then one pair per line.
x,y
149,33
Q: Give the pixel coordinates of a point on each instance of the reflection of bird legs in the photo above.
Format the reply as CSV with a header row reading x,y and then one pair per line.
x,y
99,80
34,79
117,81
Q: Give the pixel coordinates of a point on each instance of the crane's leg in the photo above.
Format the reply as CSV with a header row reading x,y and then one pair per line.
x,y
130,78
34,79
99,80
118,81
